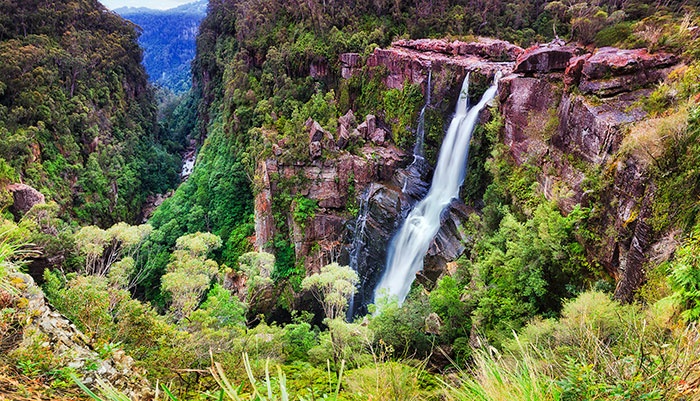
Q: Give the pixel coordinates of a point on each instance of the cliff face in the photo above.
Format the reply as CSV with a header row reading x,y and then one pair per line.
x,y
565,111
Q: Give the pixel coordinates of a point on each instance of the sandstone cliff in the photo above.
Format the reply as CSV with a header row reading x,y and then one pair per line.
x,y
566,110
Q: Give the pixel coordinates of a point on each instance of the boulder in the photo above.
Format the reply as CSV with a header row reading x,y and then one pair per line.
x,y
572,74
426,45
486,48
25,197
371,122
545,58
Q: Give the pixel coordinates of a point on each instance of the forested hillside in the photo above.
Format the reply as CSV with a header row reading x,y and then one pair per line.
x,y
168,39
77,117
565,269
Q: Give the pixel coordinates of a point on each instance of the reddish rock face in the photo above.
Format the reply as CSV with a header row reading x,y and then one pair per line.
x,y
609,61
410,60
332,183
25,197
544,59
486,48
610,71
572,75
318,69
526,104
349,62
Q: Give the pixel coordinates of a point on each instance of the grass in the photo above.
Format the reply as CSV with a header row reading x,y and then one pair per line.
x,y
494,377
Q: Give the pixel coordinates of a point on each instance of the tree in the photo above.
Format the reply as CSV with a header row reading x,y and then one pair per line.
x,y
190,272
257,267
332,287
103,249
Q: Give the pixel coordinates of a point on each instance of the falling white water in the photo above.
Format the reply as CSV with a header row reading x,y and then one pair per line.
x,y
358,241
410,244
420,131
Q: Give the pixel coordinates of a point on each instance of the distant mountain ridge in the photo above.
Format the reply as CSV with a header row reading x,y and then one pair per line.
x,y
168,39
197,7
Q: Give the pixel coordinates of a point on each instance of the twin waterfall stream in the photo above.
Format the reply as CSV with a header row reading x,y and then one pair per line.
x,y
410,244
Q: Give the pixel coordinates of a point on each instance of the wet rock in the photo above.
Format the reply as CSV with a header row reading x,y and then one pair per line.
x,y
448,244
25,197
545,59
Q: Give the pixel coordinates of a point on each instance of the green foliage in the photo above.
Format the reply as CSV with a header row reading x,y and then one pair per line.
x,y
220,310
401,108
343,342
332,288
257,267
77,118
189,272
304,210
685,276
216,198
402,329
168,42
101,249
676,176
526,269
446,301
298,340
391,381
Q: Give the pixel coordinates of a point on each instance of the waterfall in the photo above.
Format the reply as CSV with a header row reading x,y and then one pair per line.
x,y
409,246
418,167
420,131
358,241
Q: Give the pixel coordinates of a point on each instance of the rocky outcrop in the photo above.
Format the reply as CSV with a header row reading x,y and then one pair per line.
x,y
570,135
25,197
349,64
410,60
543,59
333,182
70,346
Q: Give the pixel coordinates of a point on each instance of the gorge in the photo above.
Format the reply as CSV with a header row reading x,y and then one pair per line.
x,y
386,204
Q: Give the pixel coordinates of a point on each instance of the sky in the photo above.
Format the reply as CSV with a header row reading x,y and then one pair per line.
x,y
156,4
